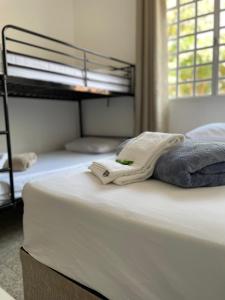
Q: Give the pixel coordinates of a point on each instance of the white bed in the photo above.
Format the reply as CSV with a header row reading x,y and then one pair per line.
x,y
145,241
48,163
66,74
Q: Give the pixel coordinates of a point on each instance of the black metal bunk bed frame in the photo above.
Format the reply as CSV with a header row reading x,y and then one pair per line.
x,y
14,86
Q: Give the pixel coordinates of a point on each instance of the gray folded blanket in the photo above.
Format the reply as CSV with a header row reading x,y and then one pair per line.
x,y
193,164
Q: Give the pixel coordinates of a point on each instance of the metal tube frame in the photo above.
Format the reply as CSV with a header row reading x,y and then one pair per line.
x,y
127,69
7,125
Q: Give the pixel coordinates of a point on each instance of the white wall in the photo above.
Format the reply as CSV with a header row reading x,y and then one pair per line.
x,y
51,17
40,125
186,114
108,27
109,117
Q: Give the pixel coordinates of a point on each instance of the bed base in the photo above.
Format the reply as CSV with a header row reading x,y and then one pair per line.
x,y
43,283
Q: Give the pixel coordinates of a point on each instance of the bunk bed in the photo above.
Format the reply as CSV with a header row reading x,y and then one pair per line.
x,y
60,71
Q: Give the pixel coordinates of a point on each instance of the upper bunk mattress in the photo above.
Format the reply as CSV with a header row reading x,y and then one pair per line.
x,y
143,241
21,66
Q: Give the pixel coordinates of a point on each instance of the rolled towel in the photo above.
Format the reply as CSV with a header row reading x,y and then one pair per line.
x,y
22,162
137,160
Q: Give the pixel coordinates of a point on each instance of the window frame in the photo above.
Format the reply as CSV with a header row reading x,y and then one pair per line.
x,y
215,79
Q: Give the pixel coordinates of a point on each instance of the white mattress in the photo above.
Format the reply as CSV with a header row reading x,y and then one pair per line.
x,y
48,163
110,82
145,241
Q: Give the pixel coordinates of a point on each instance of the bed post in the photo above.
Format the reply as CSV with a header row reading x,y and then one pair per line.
x,y
6,132
80,117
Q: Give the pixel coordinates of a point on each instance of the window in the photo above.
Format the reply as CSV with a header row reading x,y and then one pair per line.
x,y
196,47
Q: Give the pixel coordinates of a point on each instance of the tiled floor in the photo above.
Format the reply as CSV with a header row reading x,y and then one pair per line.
x,y
11,238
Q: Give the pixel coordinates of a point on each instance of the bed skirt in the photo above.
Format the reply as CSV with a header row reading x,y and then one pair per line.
x,y
43,283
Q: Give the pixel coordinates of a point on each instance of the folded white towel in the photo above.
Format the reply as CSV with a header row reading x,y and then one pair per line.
x,y
142,152
3,158
22,162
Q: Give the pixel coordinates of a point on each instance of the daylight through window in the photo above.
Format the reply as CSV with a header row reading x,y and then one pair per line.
x,y
196,46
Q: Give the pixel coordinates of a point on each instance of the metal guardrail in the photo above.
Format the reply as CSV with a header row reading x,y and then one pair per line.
x,y
85,58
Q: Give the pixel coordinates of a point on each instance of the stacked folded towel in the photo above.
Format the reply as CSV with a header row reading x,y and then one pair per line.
x,y
22,162
137,160
193,164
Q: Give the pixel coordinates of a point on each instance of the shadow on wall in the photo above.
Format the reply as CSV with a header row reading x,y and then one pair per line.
x,y
43,125
40,125
109,117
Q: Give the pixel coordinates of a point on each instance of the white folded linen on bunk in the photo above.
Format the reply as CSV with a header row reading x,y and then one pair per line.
x,y
22,162
3,158
141,155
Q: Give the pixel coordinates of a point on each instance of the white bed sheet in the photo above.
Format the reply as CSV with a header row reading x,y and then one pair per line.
x,y
111,82
147,241
48,163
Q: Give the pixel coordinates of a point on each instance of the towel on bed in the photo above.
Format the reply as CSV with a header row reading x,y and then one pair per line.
x,y
3,158
22,162
193,164
137,160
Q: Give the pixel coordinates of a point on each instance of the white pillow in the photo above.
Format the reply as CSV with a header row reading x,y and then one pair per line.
x,y
93,145
209,132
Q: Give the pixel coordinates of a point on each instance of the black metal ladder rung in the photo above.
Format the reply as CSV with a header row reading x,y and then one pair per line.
x,y
4,170
2,132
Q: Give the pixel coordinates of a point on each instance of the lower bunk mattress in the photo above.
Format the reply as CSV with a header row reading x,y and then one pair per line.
x,y
147,241
47,164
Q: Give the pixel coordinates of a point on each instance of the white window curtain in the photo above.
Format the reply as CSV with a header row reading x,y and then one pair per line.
x,y
151,109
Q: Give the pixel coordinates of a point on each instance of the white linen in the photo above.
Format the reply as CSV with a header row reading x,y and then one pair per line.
x,y
23,161
143,152
66,74
93,145
4,295
48,163
145,241
3,158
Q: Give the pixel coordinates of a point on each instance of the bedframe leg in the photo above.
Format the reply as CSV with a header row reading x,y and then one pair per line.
x,y
80,118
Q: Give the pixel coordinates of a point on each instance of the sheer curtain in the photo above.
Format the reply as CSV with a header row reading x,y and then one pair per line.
x,y
151,108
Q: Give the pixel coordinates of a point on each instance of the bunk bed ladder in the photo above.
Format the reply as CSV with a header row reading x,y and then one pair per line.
x,y
6,133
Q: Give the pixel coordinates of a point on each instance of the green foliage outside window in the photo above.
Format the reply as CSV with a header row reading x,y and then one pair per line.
x,y
191,47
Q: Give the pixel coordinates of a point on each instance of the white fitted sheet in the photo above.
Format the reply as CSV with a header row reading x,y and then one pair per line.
x,y
111,82
47,163
145,241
